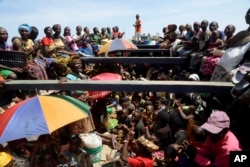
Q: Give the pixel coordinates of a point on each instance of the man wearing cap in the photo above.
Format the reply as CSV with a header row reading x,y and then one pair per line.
x,y
218,144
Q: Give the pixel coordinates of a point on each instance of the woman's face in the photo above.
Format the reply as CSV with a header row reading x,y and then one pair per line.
x,y
77,66
48,32
76,128
58,30
67,31
25,34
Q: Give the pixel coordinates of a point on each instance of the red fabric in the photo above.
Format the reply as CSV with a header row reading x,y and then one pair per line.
x,y
37,71
1,78
211,61
7,116
209,65
115,34
140,162
47,41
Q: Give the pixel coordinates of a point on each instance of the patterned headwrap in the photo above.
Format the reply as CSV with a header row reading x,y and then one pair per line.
x,y
24,26
5,158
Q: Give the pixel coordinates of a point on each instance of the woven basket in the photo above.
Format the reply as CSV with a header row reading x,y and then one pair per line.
x,y
13,59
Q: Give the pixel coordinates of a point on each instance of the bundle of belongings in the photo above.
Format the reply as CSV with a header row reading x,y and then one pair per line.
x,y
148,144
241,90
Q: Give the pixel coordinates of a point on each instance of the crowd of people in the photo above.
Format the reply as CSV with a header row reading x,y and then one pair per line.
x,y
146,128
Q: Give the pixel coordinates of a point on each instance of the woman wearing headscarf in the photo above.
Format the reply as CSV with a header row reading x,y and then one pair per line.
x,y
26,45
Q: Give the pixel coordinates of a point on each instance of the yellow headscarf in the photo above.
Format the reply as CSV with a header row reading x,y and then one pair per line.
x,y
5,158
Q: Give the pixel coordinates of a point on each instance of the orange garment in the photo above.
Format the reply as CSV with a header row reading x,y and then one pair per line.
x,y
138,26
47,41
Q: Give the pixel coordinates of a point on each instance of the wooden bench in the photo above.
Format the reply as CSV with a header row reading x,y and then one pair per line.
x,y
137,60
124,85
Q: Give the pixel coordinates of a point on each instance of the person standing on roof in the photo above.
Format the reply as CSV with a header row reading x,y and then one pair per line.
x,y
138,29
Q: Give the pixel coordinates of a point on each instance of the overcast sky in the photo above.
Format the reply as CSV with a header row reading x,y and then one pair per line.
x,y
102,13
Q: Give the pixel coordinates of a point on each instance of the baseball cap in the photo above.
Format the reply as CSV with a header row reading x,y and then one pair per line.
x,y
217,121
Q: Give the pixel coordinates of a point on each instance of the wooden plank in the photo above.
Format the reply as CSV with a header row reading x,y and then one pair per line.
x,y
135,86
143,50
142,46
136,60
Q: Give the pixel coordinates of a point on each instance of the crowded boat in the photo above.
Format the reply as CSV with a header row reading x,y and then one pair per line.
x,y
141,129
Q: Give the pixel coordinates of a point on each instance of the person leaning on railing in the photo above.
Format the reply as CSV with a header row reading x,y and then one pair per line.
x,y
6,72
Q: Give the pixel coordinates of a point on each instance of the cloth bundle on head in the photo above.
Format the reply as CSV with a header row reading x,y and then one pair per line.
x,y
194,77
24,26
5,158
217,121
172,27
197,23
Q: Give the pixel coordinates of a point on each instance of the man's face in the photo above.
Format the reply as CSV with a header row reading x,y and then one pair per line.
x,y
229,30
149,109
213,26
216,137
3,35
135,117
197,27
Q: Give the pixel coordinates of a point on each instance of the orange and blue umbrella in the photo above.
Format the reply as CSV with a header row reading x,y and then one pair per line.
x,y
117,44
40,115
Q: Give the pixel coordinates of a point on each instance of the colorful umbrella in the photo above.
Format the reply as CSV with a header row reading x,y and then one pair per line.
x,y
116,44
40,115
104,77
